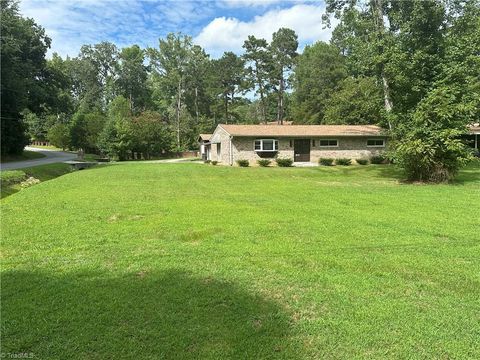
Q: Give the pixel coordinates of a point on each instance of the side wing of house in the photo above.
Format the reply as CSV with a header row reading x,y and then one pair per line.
x,y
221,147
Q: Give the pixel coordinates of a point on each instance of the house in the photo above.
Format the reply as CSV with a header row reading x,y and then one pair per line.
x,y
473,138
204,141
302,143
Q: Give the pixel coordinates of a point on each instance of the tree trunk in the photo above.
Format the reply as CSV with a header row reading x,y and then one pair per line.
x,y
262,97
262,104
380,27
179,105
196,104
280,102
226,107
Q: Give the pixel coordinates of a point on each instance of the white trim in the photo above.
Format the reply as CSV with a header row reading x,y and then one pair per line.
x,y
275,145
327,146
376,146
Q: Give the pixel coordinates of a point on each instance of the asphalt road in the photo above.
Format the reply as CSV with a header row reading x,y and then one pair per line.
x,y
51,156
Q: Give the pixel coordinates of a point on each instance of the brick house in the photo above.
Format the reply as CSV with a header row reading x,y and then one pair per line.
x,y
302,143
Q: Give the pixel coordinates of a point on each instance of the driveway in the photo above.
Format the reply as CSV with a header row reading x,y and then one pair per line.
x,y
51,156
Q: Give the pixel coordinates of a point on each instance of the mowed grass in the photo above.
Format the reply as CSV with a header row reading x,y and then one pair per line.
x,y
188,261
11,179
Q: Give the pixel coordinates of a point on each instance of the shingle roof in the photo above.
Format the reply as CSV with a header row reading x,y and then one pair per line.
x,y
475,128
205,137
303,130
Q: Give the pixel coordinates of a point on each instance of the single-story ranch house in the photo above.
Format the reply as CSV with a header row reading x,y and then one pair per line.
x,y
302,143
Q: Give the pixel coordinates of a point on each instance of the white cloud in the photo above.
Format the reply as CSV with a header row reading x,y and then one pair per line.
x,y
74,23
228,34
249,3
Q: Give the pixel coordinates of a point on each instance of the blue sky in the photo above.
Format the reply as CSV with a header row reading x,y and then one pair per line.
x,y
217,25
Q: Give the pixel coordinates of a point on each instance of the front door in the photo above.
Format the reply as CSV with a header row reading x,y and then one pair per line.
x,y
301,150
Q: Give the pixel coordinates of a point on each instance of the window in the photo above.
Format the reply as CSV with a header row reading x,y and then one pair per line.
x,y
375,142
313,143
328,142
266,145
219,150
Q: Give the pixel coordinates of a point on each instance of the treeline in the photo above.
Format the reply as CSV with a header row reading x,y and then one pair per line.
x,y
412,67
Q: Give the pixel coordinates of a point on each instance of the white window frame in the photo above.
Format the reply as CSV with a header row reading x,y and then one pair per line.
x,y
327,146
275,145
376,146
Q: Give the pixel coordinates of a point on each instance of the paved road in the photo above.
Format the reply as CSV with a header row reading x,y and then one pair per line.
x,y
51,156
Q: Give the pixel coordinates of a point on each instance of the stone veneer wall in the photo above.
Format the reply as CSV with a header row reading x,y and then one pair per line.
x,y
348,147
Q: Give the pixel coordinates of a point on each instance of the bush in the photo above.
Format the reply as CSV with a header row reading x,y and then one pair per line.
x,y
343,161
263,162
378,159
325,161
207,161
214,162
427,143
284,162
12,177
243,163
362,161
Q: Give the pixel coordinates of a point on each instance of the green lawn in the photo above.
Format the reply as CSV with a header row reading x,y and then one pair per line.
x,y
26,155
11,179
189,261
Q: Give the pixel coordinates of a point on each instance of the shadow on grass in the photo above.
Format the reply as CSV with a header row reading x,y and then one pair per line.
x,y
146,315
470,173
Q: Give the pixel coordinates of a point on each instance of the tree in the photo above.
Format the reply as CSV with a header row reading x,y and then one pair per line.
x,y
152,134
35,125
79,131
132,77
317,76
355,101
99,63
59,135
429,146
228,80
283,49
259,61
23,48
170,63
117,139
197,98
365,22
58,86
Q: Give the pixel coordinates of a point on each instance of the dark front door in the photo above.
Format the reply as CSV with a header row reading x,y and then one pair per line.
x,y
301,150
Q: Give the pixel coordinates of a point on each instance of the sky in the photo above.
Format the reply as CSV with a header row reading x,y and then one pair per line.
x,y
216,25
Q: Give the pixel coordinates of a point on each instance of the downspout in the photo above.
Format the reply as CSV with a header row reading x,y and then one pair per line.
x,y
231,150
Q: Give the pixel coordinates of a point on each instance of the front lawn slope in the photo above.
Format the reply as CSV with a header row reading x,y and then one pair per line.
x,y
191,261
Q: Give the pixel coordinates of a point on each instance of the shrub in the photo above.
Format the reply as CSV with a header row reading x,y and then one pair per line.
x,y
214,162
243,163
263,162
362,161
343,161
325,161
427,142
378,159
207,161
12,177
284,162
